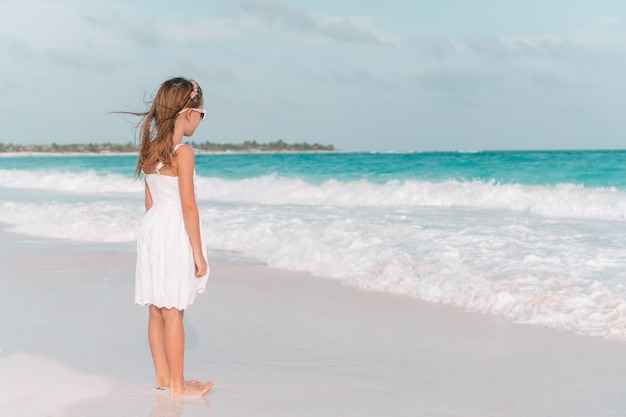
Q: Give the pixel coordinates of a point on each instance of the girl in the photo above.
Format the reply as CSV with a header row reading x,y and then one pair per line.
x,y
171,256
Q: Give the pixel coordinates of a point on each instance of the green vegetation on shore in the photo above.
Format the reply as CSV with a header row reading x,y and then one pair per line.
x,y
252,146
247,146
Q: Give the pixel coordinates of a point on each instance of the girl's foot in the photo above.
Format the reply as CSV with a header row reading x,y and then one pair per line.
x,y
190,382
193,389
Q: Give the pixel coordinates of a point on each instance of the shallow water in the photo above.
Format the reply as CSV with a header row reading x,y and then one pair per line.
x,y
534,237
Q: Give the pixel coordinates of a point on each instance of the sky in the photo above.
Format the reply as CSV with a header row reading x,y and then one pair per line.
x,y
395,75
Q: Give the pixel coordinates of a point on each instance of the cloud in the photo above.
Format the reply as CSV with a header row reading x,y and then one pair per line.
x,y
433,46
213,73
291,18
457,82
574,48
10,88
37,32
81,59
482,85
41,24
489,46
207,28
605,22
147,34
358,78
565,50
503,48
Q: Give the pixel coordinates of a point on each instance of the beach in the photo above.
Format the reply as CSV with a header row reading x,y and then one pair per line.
x,y
277,343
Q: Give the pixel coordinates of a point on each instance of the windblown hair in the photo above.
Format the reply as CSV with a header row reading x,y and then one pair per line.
x,y
156,127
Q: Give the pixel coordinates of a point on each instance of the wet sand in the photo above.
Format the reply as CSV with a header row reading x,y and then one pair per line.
x,y
277,343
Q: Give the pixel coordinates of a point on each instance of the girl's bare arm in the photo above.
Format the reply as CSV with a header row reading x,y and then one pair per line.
x,y
185,167
148,198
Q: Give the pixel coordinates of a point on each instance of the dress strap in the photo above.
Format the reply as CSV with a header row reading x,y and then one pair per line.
x,y
161,164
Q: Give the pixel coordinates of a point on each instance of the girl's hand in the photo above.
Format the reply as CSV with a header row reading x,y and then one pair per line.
x,y
200,264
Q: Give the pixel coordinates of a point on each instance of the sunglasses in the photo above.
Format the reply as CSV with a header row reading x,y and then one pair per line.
x,y
201,111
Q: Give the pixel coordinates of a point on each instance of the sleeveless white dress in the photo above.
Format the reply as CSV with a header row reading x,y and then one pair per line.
x,y
165,274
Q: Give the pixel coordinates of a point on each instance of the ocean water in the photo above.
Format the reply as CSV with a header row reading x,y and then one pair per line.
x,y
532,237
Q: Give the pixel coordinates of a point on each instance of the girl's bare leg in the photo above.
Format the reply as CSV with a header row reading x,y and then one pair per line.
x,y
156,337
175,356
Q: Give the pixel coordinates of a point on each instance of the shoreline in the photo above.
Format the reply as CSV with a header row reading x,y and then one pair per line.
x,y
196,151
207,147
282,343
336,151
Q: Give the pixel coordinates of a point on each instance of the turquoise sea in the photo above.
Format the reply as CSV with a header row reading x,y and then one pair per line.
x,y
536,237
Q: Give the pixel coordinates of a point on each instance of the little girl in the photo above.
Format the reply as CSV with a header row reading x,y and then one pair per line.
x,y
171,256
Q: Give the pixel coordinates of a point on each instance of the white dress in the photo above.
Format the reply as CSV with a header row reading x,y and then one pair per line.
x,y
165,275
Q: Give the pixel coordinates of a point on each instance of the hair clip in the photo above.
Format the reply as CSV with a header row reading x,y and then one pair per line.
x,y
194,92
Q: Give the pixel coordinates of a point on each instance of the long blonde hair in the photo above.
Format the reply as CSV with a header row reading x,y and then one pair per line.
x,y
156,127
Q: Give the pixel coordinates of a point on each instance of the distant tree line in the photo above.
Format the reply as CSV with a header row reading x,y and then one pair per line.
x,y
70,148
252,146
247,146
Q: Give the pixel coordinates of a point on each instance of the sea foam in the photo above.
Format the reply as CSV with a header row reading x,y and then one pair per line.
x,y
553,255
561,200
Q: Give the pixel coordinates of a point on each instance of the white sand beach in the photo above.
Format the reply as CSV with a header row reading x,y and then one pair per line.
x,y
277,343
